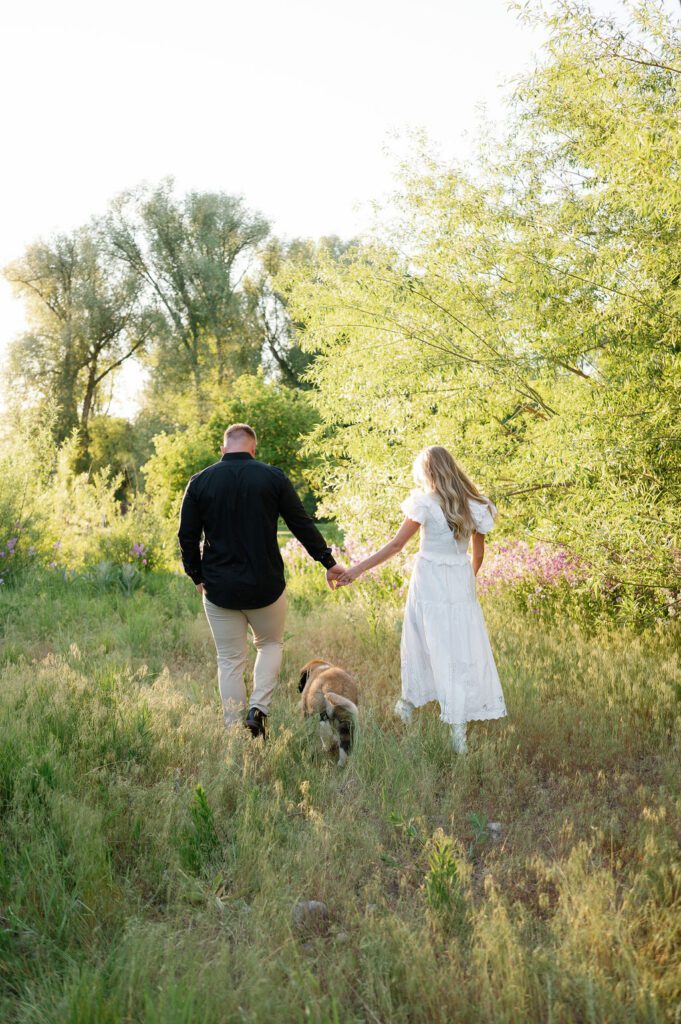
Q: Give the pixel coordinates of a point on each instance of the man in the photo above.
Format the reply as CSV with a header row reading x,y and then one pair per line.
x,y
235,504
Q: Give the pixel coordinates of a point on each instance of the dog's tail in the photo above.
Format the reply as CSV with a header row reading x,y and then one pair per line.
x,y
340,707
345,713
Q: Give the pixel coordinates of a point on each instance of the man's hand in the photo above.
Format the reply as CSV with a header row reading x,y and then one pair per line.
x,y
333,576
200,589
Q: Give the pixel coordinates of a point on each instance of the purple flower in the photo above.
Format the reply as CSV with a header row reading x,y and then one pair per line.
x,y
515,562
138,550
56,545
11,544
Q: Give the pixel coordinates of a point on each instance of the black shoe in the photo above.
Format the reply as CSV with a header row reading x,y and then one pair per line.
x,y
256,721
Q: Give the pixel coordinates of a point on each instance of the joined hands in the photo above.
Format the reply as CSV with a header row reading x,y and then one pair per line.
x,y
340,576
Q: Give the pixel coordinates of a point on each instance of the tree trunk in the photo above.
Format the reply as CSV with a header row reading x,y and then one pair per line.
x,y
83,448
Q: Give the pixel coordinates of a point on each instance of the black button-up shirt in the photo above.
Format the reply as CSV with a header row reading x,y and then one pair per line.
x,y
235,505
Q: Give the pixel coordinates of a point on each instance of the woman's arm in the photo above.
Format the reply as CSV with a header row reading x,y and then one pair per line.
x,y
407,530
478,551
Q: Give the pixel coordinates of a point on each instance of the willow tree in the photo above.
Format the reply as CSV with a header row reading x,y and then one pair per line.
x,y
85,319
281,347
192,254
526,315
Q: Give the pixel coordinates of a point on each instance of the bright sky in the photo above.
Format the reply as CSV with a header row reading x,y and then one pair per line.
x,y
291,104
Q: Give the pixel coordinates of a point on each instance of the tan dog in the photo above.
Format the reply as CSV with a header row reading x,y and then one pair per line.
x,y
331,693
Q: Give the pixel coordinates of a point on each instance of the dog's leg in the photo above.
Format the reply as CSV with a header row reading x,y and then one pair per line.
x,y
343,713
327,735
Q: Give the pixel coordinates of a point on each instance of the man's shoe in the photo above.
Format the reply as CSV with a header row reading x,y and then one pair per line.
x,y
256,721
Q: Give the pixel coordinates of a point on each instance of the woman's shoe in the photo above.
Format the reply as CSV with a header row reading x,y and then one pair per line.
x,y
404,709
459,738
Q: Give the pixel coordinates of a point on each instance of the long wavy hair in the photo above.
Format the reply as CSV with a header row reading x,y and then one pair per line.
x,y
437,472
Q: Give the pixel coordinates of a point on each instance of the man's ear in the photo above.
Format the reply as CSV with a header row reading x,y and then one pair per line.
x,y
223,449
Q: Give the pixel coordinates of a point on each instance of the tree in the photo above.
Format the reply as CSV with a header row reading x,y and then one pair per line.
x,y
85,319
281,416
191,255
114,449
269,305
527,316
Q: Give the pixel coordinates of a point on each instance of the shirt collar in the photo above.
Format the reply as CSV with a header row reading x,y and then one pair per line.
x,y
232,456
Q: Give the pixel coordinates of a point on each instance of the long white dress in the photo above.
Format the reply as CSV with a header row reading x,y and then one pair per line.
x,y
446,654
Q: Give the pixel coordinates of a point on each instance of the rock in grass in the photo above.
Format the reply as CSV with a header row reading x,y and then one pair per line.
x,y
495,828
311,917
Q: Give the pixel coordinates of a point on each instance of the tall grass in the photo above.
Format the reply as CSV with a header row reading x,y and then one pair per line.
x,y
149,862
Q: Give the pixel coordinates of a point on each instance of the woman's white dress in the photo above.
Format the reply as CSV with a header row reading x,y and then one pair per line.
x,y
446,654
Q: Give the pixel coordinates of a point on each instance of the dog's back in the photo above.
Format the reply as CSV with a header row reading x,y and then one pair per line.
x,y
328,680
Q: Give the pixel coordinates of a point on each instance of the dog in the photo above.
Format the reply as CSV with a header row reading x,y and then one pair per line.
x,y
331,693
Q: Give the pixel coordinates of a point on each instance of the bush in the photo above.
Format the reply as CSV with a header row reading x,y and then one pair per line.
x,y
280,416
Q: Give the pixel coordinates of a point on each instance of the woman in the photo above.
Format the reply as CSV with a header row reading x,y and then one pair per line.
x,y
446,655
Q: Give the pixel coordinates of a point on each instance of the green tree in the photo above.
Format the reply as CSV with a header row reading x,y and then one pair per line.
x,y
527,314
281,417
114,448
191,254
85,320
269,305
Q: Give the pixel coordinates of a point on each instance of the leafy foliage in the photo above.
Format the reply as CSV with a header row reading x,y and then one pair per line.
x,y
86,317
280,416
443,885
200,842
526,315
191,253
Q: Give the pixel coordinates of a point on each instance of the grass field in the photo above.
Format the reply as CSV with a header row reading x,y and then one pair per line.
x,y
126,894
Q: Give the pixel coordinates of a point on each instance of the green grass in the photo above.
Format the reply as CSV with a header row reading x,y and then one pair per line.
x,y
129,894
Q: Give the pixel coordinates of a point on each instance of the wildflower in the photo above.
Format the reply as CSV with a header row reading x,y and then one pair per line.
x,y
56,545
11,544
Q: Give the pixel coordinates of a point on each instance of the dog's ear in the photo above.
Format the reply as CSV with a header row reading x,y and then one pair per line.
x,y
303,679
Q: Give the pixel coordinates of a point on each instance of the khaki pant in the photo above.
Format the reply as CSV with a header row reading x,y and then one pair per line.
x,y
230,628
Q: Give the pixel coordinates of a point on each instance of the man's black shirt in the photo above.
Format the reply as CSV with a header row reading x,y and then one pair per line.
x,y
235,504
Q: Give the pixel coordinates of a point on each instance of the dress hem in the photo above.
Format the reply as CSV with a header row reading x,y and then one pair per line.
x,y
483,717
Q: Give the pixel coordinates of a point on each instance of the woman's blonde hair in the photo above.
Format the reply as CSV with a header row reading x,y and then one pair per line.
x,y
437,472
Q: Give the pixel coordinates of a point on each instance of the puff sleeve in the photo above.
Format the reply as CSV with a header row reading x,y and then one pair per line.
x,y
483,516
415,507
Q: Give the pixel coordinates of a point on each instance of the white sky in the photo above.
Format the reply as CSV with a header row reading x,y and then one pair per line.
x,y
290,103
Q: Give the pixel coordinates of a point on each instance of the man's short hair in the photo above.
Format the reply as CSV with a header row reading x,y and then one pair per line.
x,y
237,431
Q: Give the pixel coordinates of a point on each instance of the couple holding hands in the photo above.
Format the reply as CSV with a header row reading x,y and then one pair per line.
x,y
228,541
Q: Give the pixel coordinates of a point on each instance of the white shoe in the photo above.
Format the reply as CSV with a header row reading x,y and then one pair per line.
x,y
404,709
459,738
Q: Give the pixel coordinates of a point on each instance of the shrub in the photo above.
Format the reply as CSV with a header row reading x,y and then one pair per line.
x,y
280,416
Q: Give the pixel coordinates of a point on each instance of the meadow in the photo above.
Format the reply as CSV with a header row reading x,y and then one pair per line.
x,y
518,305
149,863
